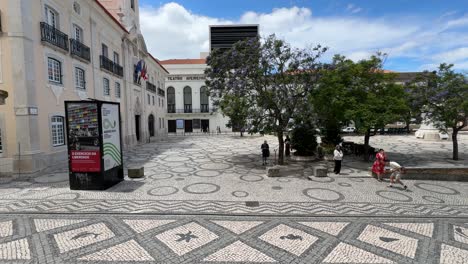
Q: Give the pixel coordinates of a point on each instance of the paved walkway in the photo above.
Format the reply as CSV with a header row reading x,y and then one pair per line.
x,y
206,198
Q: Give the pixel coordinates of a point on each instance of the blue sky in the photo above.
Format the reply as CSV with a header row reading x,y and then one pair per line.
x,y
416,34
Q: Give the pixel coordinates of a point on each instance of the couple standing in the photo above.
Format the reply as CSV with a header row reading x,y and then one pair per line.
x,y
396,169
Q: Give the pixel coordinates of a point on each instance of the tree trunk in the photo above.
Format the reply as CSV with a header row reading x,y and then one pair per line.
x,y
455,143
281,148
366,145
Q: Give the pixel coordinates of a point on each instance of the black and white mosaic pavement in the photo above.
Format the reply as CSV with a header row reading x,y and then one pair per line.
x,y
208,200
225,239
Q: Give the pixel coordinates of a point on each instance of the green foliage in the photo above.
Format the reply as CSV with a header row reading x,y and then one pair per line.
x,y
444,97
273,79
303,140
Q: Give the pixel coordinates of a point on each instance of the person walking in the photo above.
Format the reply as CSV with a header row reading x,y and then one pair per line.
x,y
287,143
337,157
265,152
397,170
379,164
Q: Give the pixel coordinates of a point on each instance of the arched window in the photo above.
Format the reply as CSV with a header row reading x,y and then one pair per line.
x,y
187,99
204,108
151,125
171,100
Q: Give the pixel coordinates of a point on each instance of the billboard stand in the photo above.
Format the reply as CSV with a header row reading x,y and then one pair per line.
x,y
94,144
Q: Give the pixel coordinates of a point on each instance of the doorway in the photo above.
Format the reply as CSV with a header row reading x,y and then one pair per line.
x,y
151,125
171,126
205,125
137,127
188,126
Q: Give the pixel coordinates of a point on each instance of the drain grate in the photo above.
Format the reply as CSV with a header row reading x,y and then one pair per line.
x,y
252,204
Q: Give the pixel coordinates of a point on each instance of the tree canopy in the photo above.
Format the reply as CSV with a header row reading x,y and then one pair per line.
x,y
273,77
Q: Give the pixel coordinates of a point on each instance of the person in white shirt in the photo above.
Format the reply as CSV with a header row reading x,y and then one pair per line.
x,y
396,170
337,157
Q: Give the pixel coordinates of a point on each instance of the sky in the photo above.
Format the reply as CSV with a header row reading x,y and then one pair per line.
x,y
417,35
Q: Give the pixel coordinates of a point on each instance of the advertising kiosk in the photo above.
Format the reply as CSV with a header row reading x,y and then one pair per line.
x,y
94,144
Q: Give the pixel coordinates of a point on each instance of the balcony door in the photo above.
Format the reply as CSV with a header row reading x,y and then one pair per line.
x,y
187,99
51,17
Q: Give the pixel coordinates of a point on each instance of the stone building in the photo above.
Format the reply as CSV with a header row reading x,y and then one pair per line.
x,y
189,108
57,50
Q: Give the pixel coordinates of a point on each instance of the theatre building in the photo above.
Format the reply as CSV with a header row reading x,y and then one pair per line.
x,y
189,108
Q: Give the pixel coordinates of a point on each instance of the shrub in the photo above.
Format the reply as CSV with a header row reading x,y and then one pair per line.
x,y
303,140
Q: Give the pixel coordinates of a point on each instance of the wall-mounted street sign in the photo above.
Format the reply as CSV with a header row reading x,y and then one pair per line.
x,y
94,144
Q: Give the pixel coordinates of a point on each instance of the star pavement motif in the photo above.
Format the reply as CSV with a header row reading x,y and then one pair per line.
x,y
187,237
291,237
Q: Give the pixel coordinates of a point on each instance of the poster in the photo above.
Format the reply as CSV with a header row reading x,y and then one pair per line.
x,y
180,124
83,137
111,136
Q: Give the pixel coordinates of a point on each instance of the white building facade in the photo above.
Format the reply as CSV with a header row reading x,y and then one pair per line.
x,y
189,108
52,51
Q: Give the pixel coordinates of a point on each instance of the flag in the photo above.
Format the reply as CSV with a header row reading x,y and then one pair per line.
x,y
143,72
138,67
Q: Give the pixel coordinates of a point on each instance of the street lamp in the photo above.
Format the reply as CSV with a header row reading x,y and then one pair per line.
x,y
3,96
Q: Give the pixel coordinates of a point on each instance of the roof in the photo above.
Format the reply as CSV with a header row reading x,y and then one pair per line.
x,y
184,61
159,63
111,16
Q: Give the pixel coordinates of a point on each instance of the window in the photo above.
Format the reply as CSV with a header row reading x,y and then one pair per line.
x,y
55,70
58,135
163,122
159,102
171,100
116,58
1,146
80,78
149,99
51,17
105,52
153,99
106,86
204,100
159,120
132,4
187,99
78,33
117,90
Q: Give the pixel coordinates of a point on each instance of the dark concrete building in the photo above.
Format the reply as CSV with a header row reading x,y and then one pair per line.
x,y
224,36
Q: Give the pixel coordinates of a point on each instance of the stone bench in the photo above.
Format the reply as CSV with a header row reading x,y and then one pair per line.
x,y
320,171
136,172
432,173
273,171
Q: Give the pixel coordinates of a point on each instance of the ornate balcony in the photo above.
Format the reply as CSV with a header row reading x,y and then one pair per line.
x,y
53,36
150,87
161,92
80,50
110,66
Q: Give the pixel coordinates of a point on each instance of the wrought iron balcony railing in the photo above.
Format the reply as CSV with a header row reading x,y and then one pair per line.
x,y
172,110
79,49
111,66
53,36
150,87
161,92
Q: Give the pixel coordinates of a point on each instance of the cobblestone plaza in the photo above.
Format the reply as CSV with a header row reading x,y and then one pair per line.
x,y
207,199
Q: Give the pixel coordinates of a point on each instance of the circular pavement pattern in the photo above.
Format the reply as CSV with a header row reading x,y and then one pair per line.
x,y
394,196
436,188
207,173
322,179
179,179
160,176
432,199
182,169
356,180
163,191
344,184
201,188
240,194
322,194
283,180
176,158
251,178
215,166
277,188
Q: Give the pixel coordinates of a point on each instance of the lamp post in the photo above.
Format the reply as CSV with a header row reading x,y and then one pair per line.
x,y
3,96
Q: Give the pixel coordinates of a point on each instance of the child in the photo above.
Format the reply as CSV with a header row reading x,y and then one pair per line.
x,y
396,170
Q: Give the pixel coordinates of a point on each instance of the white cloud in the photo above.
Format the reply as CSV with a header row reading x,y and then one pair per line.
x,y
172,31
353,8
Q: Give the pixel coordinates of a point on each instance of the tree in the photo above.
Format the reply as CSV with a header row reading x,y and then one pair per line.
x,y
373,99
236,108
445,96
273,77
